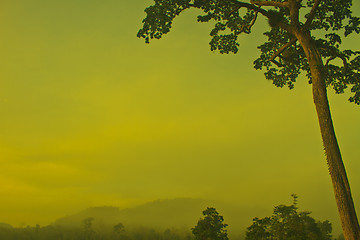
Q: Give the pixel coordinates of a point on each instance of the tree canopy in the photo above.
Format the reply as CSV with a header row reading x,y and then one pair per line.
x,y
281,57
211,227
288,223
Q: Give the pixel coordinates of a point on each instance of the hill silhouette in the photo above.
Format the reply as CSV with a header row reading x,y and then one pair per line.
x,y
6,226
162,214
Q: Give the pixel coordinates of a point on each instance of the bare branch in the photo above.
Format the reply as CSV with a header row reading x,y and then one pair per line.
x,y
269,3
280,50
312,13
253,21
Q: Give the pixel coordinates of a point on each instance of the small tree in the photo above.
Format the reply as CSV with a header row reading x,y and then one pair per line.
x,y
211,227
290,224
89,233
299,41
119,228
119,231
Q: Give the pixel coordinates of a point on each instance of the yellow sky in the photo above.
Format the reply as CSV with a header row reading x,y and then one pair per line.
x,y
91,116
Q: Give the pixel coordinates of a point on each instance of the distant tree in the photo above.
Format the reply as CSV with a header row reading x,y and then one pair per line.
x,y
119,231
299,41
119,228
89,233
211,227
287,223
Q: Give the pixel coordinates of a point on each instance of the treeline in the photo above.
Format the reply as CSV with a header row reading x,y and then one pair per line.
x,y
61,233
286,223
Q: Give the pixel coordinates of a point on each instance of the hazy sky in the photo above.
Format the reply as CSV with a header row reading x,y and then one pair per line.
x,y
92,116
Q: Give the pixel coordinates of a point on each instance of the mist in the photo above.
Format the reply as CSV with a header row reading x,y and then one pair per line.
x,y
92,117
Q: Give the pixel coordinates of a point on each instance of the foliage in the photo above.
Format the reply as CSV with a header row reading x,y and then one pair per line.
x,y
119,232
119,228
288,223
230,20
89,233
211,227
331,16
115,233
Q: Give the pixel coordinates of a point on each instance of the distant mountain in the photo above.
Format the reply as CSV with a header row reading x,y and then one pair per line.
x,y
103,215
180,212
5,225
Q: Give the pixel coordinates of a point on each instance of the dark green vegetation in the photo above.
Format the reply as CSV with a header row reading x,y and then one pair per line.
x,y
286,223
304,36
87,232
161,219
212,226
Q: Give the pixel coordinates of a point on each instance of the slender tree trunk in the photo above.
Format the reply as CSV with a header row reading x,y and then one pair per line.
x,y
345,204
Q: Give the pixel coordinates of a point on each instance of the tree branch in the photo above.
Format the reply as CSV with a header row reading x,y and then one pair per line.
x,y
269,3
282,25
329,60
250,6
277,63
294,8
343,60
247,28
234,10
253,21
280,50
312,13
336,54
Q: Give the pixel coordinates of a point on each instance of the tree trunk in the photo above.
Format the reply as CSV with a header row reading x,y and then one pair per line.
x,y
345,204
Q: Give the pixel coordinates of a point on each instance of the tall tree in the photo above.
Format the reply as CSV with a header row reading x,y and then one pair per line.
x,y
211,227
299,41
288,223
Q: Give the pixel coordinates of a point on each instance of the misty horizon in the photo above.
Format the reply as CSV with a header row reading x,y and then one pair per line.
x,y
92,116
